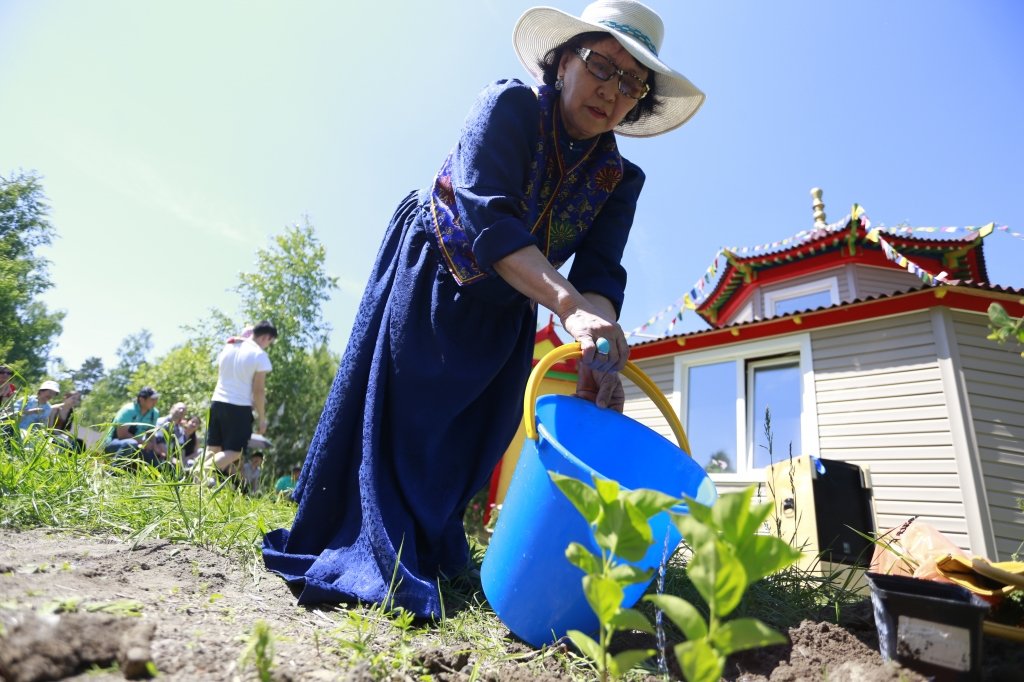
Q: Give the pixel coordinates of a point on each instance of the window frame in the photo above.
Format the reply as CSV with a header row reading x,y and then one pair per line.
x,y
797,346
773,298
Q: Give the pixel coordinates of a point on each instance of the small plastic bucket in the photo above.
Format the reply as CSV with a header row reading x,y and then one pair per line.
x,y
528,582
931,627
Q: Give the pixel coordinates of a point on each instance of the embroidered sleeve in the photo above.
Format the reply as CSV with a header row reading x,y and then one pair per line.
x,y
489,170
597,266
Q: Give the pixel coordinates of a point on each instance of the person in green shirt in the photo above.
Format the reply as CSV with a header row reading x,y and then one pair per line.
x,y
131,433
286,483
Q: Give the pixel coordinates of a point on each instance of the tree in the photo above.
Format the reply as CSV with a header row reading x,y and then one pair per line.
x,y
86,376
289,287
719,463
185,374
27,328
115,389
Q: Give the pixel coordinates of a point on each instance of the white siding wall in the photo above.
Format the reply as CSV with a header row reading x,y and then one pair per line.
x,y
746,314
994,378
881,405
640,407
874,281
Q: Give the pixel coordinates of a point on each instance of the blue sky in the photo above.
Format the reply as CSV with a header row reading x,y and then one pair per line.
x,y
174,138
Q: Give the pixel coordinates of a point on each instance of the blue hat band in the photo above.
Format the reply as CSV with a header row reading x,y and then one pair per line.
x,y
631,31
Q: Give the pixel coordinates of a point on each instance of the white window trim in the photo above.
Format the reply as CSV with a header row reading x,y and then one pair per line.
x,y
800,343
773,298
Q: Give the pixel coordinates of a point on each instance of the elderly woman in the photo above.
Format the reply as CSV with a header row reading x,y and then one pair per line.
x,y
429,392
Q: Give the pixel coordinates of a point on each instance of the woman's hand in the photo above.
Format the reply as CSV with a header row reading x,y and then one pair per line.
x,y
587,327
604,389
588,316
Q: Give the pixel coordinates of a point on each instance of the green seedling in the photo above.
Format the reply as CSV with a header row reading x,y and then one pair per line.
x,y
118,607
728,556
259,651
620,522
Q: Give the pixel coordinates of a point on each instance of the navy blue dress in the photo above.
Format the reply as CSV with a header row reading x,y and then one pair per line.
x,y
429,392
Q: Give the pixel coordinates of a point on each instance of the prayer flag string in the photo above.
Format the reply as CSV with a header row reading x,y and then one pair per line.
x,y
692,299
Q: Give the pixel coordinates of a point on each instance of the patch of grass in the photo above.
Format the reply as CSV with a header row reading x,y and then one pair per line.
x,y
44,484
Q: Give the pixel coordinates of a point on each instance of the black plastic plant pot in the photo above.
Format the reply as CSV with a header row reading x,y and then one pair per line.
x,y
931,627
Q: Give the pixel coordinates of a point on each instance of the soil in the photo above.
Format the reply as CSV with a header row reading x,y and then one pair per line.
x,y
78,608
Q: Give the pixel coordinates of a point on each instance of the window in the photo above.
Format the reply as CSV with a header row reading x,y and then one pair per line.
x,y
816,294
774,388
714,409
724,393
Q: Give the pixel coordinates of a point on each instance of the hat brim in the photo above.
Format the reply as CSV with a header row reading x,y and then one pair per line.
x,y
542,29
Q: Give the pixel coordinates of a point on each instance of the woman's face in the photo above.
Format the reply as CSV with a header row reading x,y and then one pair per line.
x,y
591,106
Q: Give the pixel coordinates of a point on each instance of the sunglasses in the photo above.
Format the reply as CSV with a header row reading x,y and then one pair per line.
x,y
602,68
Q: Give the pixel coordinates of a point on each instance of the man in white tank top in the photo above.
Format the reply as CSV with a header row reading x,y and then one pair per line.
x,y
243,365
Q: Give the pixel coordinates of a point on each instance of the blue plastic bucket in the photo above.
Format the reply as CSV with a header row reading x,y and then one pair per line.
x,y
528,582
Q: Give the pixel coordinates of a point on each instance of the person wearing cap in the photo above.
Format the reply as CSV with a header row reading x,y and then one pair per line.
x,y
429,392
37,409
131,432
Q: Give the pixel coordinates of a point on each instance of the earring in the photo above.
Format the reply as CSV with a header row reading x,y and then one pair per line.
x,y
559,83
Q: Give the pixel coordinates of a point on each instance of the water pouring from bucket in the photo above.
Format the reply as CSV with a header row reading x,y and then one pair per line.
x,y
536,592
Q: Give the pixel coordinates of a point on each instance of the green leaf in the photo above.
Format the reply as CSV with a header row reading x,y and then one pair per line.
x,y
765,554
623,662
699,662
696,533
588,648
628,574
745,633
604,596
624,531
735,518
698,511
582,496
607,490
681,612
582,558
718,576
998,316
759,513
631,619
651,502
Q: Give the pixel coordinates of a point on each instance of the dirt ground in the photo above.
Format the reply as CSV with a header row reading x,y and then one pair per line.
x,y
71,606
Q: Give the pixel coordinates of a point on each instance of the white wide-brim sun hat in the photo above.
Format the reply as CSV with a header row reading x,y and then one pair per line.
x,y
638,29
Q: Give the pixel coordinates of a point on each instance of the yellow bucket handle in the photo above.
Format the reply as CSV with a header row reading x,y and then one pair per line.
x,y
631,371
